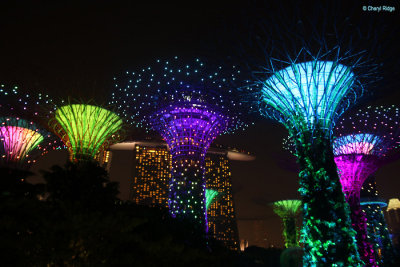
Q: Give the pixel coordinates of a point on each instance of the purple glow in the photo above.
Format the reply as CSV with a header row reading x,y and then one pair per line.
x,y
189,104
357,156
189,130
354,169
17,142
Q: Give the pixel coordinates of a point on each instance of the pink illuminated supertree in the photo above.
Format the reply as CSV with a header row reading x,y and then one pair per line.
x,y
364,142
22,138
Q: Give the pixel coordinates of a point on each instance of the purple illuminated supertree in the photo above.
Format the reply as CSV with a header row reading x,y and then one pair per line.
x,y
189,105
364,142
22,137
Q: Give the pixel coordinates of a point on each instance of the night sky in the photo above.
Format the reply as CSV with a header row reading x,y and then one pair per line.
x,y
68,49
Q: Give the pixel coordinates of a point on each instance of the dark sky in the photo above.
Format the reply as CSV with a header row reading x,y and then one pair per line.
x,y
75,48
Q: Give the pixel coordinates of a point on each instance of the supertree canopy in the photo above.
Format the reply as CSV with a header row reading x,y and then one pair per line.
x,y
189,104
22,137
289,210
307,94
365,141
378,232
86,130
211,197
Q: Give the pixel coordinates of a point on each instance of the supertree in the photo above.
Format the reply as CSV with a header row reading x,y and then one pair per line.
x,y
313,63
377,230
365,141
378,233
307,97
23,138
211,197
289,210
86,129
189,105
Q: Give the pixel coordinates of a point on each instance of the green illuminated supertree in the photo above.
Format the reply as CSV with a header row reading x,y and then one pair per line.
x,y
211,197
289,210
86,130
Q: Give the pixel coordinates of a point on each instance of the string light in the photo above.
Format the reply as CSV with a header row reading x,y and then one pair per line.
x,y
366,140
22,138
189,104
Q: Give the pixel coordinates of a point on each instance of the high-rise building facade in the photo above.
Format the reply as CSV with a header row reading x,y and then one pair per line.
x,y
393,219
149,182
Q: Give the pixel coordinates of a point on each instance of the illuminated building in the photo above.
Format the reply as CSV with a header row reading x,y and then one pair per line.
x,y
86,130
149,164
289,210
377,230
189,103
365,141
23,138
393,220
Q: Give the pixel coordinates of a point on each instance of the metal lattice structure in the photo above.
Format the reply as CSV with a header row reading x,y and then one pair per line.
x,y
289,210
22,137
86,130
189,105
365,141
307,95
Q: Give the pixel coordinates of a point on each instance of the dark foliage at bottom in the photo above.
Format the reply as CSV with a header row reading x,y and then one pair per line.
x,y
80,222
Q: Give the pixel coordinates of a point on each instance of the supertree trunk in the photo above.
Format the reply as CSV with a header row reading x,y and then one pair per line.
x,y
290,232
187,189
327,234
359,224
378,235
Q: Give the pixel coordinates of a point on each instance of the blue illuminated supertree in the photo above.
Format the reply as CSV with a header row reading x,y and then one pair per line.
x,y
23,136
316,63
189,104
365,141
307,96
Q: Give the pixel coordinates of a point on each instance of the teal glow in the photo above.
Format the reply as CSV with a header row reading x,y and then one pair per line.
x,y
305,94
381,204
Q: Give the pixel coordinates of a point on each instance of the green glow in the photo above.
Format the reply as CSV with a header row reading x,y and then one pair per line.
x,y
85,129
211,197
288,210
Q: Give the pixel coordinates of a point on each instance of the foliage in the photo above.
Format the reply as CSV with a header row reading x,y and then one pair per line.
x,y
80,222
327,234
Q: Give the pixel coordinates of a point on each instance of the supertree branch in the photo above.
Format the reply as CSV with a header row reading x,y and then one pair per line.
x,y
189,105
86,130
310,94
211,197
22,137
366,140
289,210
